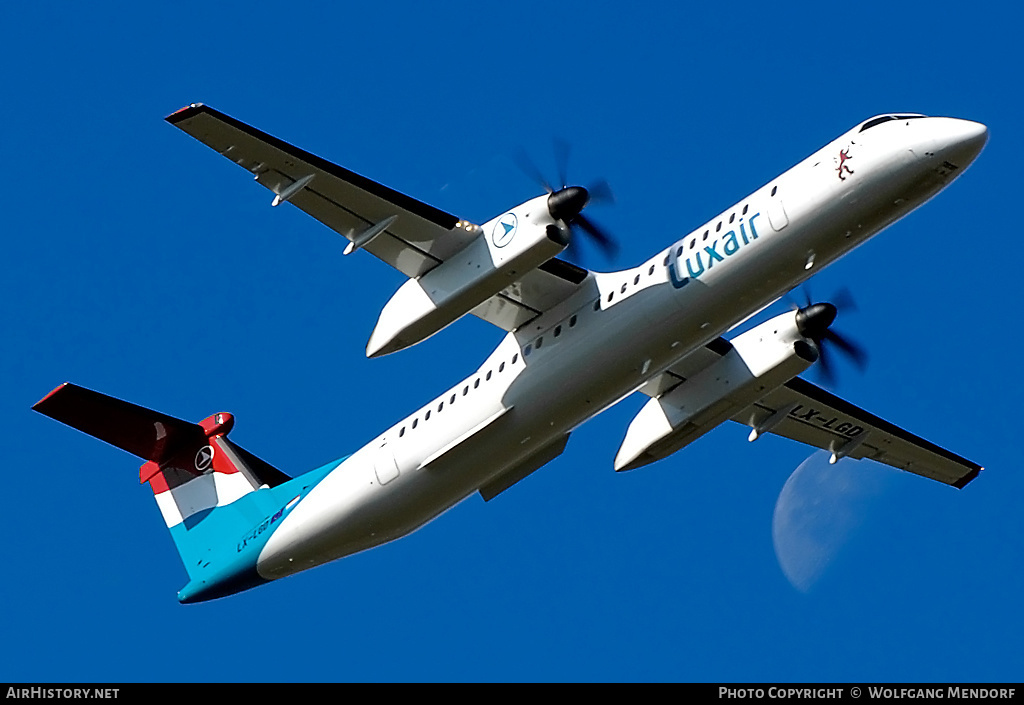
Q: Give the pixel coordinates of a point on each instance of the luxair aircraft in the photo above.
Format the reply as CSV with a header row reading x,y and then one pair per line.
x,y
576,342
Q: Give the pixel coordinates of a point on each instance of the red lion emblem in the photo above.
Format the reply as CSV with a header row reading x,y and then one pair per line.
x,y
844,154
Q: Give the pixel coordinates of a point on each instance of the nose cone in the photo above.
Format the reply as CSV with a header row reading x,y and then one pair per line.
x,y
960,141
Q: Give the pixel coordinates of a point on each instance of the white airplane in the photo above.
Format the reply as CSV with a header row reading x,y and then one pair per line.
x,y
577,342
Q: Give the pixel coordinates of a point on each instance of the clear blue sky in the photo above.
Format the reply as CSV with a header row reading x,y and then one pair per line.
x,y
140,263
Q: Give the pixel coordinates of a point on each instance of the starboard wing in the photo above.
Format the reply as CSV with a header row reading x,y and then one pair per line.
x,y
820,419
806,413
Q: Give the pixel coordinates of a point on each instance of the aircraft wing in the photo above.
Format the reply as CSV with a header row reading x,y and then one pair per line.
x,y
413,237
820,419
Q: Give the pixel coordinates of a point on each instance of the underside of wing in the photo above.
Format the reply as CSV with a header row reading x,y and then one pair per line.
x,y
417,239
811,415
411,236
792,408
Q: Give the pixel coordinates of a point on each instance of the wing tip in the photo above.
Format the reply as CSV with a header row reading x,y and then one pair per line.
x,y
962,482
39,405
184,113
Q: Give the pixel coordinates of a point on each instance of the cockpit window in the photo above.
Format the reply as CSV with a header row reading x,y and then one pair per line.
x,y
876,121
886,118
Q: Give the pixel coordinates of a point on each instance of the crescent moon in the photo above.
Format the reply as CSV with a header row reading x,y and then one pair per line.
x,y
818,512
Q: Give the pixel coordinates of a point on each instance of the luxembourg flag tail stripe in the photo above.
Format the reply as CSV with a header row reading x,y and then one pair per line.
x,y
219,502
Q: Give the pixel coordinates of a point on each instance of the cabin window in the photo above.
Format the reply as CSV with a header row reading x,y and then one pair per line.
x,y
465,390
572,320
636,280
706,233
452,400
476,383
414,422
488,375
515,358
402,432
774,189
650,271
679,252
501,367
732,217
439,407
623,289
611,296
665,263
558,331
426,416
718,227
744,210
693,243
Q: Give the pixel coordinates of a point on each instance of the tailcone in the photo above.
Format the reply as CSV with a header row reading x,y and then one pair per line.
x,y
203,590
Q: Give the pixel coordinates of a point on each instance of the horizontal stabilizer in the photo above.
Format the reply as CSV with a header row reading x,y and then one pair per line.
x,y
143,432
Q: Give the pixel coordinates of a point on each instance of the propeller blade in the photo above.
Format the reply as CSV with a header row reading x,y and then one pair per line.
x,y
825,367
798,301
856,353
602,239
566,203
531,171
844,301
815,321
572,250
562,161
601,192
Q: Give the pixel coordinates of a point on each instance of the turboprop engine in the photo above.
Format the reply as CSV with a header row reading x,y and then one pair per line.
x,y
507,248
759,361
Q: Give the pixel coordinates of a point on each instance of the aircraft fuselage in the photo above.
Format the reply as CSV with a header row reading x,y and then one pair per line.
x,y
618,332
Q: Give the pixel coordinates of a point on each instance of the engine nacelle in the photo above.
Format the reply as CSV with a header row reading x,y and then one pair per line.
x,y
508,247
762,359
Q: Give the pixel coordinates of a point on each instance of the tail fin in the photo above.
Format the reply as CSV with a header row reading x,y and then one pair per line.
x,y
192,468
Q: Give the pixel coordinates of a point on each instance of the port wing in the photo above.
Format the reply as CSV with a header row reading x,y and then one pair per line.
x,y
411,236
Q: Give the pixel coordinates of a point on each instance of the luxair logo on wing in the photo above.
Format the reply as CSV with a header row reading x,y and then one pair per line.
x,y
504,230
700,261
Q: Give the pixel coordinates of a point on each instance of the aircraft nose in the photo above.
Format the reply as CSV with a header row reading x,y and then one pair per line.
x,y
961,141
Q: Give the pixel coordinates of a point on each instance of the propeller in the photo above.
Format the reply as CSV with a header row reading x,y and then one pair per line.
x,y
814,321
566,203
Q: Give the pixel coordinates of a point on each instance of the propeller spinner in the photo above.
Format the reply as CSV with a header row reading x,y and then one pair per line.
x,y
567,203
815,321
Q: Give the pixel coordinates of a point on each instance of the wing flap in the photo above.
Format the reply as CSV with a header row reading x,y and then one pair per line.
x,y
524,469
694,363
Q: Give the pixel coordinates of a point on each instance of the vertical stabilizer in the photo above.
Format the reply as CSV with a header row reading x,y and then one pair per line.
x,y
197,475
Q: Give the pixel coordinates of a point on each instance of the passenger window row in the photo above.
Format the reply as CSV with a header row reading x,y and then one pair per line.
x,y
704,237
559,329
455,395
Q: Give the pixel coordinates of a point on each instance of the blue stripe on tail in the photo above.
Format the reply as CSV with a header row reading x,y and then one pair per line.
x,y
221,549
